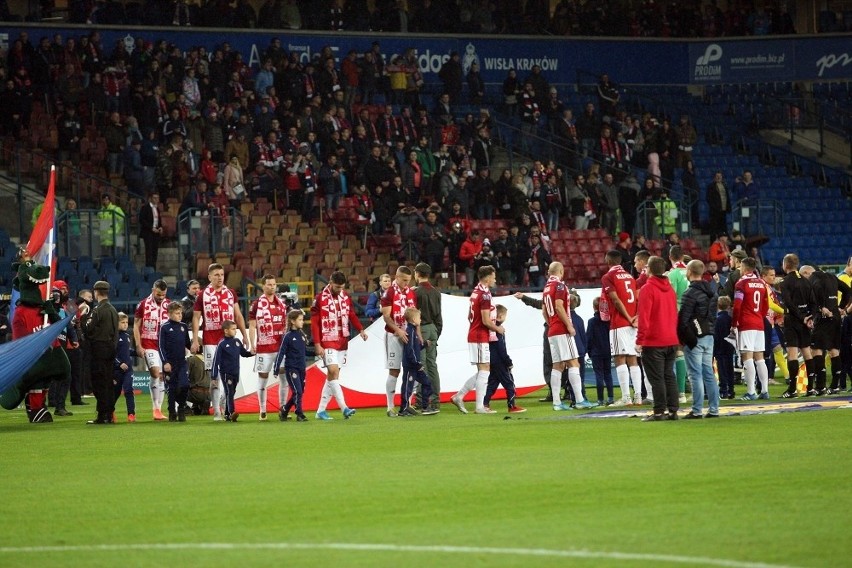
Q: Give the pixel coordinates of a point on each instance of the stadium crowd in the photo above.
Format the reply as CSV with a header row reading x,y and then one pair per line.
x,y
691,18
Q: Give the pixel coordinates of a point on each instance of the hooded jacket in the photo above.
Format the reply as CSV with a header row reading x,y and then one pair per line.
x,y
697,314
657,314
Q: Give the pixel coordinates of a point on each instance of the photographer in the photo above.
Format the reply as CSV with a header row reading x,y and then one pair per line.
x,y
406,220
485,257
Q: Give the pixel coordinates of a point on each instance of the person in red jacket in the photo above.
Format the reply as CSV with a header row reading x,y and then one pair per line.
x,y
657,341
469,249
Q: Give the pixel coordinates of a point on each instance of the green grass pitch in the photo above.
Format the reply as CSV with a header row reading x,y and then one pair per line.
x,y
739,491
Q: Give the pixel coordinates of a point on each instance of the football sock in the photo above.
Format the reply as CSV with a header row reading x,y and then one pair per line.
x,y
214,399
337,392
576,384
793,369
762,374
749,372
468,386
390,388
780,363
556,386
680,371
819,372
623,374
836,372
810,368
261,393
327,393
154,397
636,379
481,383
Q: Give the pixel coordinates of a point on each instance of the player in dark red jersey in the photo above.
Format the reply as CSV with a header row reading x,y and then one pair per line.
x,y
481,327
618,290
396,299
560,336
751,302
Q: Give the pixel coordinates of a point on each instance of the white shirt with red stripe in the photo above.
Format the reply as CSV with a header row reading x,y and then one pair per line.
x,y
216,306
399,299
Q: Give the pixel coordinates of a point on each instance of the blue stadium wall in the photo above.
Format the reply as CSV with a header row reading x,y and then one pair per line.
x,y
627,60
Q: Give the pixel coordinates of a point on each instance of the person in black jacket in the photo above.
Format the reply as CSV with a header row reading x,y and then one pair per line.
x,y
831,295
723,350
291,355
174,341
501,368
695,324
599,351
413,369
800,308
150,228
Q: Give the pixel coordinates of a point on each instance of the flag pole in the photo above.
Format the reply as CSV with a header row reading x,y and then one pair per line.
x,y
51,238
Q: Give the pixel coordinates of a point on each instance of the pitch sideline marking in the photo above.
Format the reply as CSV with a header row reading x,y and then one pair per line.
x,y
541,552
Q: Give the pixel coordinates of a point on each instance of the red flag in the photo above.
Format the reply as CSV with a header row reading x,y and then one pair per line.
x,y
43,238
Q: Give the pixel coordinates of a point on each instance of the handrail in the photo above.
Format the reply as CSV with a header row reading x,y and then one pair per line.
x,y
759,217
200,232
92,233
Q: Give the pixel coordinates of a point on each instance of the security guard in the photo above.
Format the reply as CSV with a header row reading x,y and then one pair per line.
x,y
432,323
100,326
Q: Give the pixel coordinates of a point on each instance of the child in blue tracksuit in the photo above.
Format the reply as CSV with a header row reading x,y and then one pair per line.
x,y
723,351
597,343
123,367
580,340
291,354
412,368
226,362
501,367
173,343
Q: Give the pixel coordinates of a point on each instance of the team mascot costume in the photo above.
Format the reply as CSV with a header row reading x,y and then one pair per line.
x,y
29,317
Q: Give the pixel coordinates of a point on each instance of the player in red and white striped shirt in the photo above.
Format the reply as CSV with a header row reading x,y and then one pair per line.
x,y
150,314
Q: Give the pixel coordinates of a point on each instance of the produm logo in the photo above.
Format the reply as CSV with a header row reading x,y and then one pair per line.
x,y
706,66
830,60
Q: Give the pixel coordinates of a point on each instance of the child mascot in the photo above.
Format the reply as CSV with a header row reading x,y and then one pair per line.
x,y
29,318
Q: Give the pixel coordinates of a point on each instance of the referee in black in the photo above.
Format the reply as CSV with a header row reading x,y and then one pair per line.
x,y
431,325
799,309
100,325
828,291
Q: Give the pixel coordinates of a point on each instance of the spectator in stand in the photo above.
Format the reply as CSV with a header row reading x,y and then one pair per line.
x,y
746,193
233,182
609,203
579,203
588,127
511,93
134,172
70,131
468,251
451,76
482,194
116,137
530,114
435,244
475,85
667,149
719,201
330,179
406,219
537,262
607,96
719,251
686,139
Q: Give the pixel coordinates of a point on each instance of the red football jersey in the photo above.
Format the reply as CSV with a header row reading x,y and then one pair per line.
x,y
480,300
151,316
751,301
215,306
624,285
554,290
399,299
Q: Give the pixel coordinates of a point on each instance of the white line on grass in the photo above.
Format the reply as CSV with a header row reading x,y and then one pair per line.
x,y
541,552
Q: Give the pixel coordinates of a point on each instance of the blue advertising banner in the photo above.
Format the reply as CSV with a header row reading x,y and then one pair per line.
x,y
742,61
626,60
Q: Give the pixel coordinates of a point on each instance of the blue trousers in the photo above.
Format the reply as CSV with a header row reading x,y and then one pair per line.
x,y
725,367
409,377
177,383
124,382
499,377
229,383
296,380
603,376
